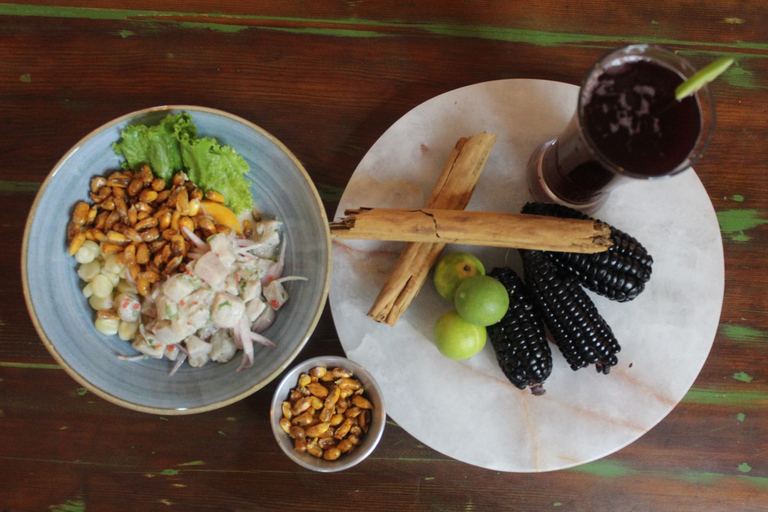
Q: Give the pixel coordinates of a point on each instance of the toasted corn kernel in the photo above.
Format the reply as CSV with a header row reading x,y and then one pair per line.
x,y
142,254
158,184
339,373
285,425
135,187
304,380
333,396
314,450
337,419
179,178
317,389
72,230
327,442
148,196
343,429
301,405
163,196
112,218
346,383
144,207
303,419
150,276
92,215
133,215
345,446
222,228
194,207
146,174
317,404
331,453
129,255
149,222
164,219
182,202
361,402
150,234
212,195
325,415
117,238
186,222
317,429
108,248
80,214
175,220
97,182
295,431
286,408
300,445
247,228
77,241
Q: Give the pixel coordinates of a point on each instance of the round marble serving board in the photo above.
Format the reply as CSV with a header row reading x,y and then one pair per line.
x,y
468,410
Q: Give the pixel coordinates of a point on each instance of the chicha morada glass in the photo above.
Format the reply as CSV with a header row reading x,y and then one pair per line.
x,y
627,125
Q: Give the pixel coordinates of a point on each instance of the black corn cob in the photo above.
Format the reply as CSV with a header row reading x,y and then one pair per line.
x,y
620,273
519,341
577,328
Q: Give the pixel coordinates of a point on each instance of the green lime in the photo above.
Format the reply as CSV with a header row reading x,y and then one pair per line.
x,y
452,269
456,338
481,300
702,77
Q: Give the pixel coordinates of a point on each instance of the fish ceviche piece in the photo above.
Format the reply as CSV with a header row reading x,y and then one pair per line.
x,y
228,294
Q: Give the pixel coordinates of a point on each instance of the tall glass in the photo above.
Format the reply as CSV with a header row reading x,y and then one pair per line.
x,y
627,125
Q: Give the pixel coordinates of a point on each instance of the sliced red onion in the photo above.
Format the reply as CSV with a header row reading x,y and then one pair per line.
x,y
258,338
194,238
264,320
275,270
179,361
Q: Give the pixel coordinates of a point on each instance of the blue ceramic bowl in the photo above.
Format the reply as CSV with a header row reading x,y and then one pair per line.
x,y
280,186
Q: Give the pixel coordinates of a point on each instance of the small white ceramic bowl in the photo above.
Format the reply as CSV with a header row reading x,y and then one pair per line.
x,y
280,187
369,440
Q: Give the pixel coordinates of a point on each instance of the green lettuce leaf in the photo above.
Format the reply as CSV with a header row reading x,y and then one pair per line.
x,y
158,146
172,146
212,166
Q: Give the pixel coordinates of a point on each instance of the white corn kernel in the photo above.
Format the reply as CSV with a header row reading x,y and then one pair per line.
x,y
112,265
101,286
87,291
113,278
127,330
90,270
108,326
87,252
125,287
99,303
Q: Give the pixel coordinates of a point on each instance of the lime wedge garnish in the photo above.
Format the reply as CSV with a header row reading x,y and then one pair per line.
x,y
702,77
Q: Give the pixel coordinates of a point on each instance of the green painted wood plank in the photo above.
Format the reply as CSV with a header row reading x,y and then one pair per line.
x,y
607,468
355,27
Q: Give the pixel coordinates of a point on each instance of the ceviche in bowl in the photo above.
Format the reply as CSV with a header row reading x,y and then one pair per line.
x,y
176,259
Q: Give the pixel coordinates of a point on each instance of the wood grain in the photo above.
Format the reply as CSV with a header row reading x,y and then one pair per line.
x,y
328,78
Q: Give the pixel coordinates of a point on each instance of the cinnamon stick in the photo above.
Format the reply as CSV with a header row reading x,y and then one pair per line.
x,y
493,229
452,191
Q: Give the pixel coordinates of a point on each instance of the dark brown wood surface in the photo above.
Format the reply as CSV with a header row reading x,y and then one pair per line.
x,y
328,78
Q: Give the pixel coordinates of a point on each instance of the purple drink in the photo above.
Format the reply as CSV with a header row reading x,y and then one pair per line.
x,y
628,124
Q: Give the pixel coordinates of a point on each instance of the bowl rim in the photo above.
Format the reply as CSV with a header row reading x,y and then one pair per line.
x,y
133,405
292,375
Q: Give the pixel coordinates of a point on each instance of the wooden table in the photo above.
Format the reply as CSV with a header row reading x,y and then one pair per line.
x,y
328,78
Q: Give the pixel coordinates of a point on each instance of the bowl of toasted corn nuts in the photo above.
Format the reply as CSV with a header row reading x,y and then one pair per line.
x,y
180,284
328,414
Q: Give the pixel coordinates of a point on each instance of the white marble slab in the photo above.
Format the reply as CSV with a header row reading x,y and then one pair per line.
x,y
468,410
